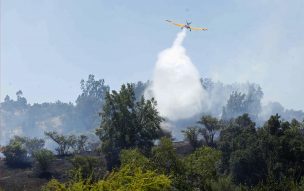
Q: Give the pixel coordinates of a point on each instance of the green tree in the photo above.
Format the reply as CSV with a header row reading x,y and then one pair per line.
x,y
191,135
247,166
64,142
165,160
282,145
200,167
164,157
292,151
242,157
127,123
211,126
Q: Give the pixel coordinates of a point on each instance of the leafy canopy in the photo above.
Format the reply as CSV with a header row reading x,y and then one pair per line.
x,y
127,123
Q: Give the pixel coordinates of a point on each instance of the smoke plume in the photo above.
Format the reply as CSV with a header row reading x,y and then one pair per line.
x,y
176,83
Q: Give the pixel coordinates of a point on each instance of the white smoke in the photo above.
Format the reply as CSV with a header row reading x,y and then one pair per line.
x,y
176,83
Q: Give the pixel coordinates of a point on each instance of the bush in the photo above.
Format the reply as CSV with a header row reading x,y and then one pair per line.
x,y
31,145
54,185
164,158
125,179
88,167
128,178
16,155
134,158
44,159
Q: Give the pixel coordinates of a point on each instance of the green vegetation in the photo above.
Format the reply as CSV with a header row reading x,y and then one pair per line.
x,y
134,158
136,154
16,154
211,126
88,167
44,159
127,123
125,179
200,167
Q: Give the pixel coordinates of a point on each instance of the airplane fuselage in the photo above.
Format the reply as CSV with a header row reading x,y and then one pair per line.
x,y
187,27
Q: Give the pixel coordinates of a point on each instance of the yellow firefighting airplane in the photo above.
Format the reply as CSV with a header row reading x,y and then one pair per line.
x,y
187,26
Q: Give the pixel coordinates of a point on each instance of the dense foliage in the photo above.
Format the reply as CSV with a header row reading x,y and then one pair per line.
x,y
127,123
227,153
125,179
241,158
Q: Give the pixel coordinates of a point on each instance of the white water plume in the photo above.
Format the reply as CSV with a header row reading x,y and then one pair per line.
x,y
176,83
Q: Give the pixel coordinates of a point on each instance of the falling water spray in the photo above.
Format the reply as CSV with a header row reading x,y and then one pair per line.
x,y
176,83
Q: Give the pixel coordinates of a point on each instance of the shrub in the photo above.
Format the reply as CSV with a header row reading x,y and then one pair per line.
x,y
44,159
54,185
89,167
16,155
134,158
125,179
128,178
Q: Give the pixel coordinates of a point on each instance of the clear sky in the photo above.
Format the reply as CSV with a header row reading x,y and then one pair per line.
x,y
48,46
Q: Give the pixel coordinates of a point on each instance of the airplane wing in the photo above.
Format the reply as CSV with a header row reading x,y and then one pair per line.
x,y
198,29
176,24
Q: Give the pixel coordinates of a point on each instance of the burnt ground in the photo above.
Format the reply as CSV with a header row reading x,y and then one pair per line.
x,y
28,179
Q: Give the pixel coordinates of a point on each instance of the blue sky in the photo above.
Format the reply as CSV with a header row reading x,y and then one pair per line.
x,y
48,46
